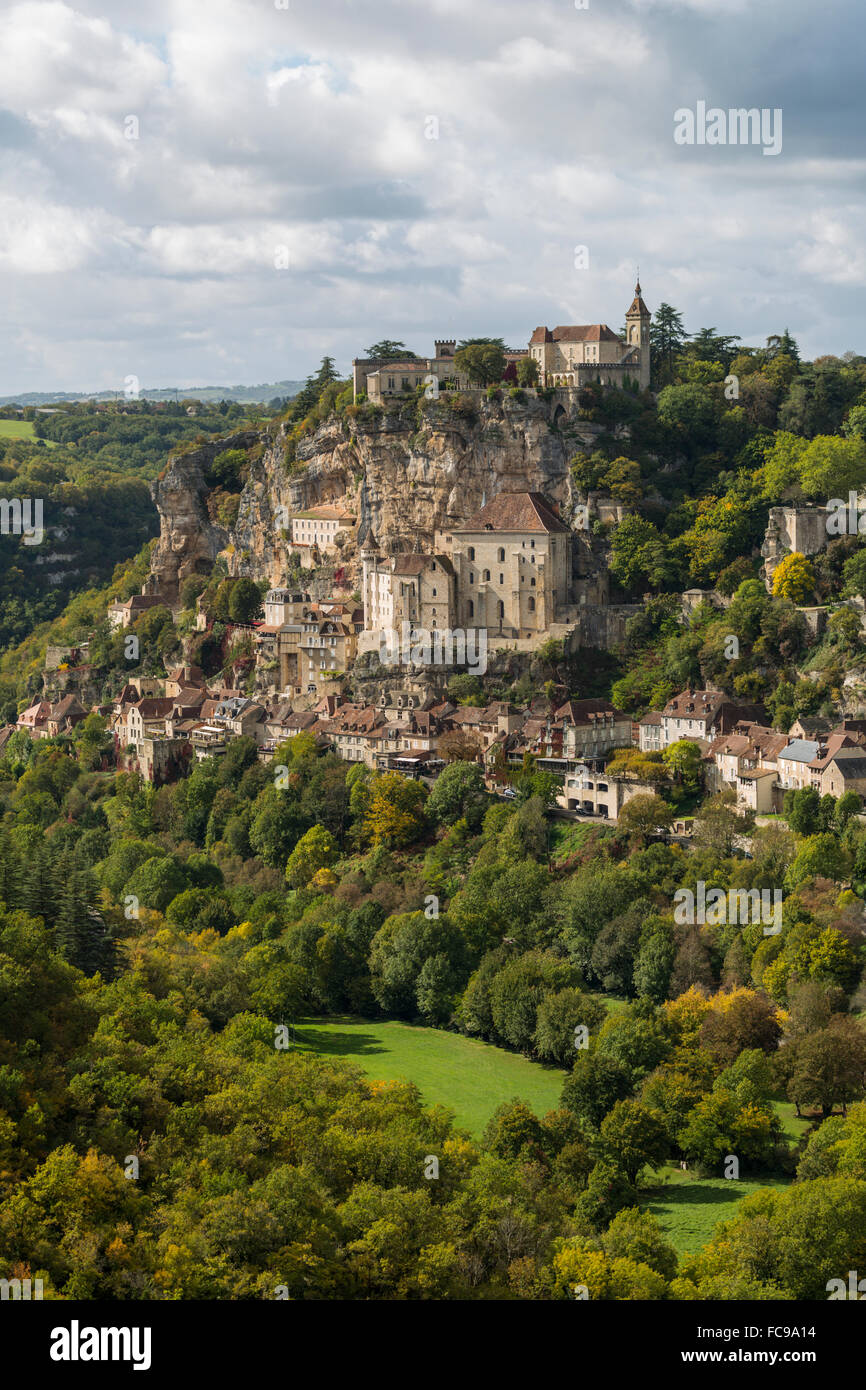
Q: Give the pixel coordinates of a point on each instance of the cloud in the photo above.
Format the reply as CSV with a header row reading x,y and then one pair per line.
x,y
425,168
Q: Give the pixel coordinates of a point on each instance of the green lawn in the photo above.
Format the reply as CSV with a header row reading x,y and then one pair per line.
x,y
688,1207
21,429
469,1077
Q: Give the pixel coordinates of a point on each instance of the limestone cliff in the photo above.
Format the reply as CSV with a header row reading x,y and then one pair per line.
x,y
406,472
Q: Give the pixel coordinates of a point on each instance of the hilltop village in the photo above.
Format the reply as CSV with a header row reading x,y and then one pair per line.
x,y
381,616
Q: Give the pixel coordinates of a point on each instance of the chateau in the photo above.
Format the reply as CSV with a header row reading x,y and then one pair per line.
x,y
572,355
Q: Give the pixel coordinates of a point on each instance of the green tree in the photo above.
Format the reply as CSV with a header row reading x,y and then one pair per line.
x,y
245,601
315,850
667,338
459,793
634,1137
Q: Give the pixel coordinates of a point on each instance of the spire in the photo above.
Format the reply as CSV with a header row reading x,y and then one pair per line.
x,y
637,285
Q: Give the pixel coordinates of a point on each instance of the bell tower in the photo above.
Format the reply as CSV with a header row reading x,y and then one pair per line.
x,y
637,330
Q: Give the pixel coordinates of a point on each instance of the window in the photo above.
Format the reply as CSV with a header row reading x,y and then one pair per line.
x,y
487,574
472,552
471,609
502,578
532,605
471,578
434,593
532,582
501,607
532,545
501,555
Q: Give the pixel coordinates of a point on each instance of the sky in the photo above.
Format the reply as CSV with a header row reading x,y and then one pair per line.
x,y
221,193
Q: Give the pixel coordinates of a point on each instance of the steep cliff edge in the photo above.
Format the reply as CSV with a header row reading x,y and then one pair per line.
x,y
407,472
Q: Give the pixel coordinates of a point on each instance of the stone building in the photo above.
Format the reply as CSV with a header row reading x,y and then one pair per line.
x,y
317,529
576,354
512,562
379,378
416,589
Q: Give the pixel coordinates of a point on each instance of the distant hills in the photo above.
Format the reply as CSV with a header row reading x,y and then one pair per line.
x,y
242,394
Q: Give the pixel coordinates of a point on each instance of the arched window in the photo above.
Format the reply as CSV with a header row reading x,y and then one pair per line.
x,y
501,607
501,554
487,574
471,609
532,605
472,552
532,582
471,578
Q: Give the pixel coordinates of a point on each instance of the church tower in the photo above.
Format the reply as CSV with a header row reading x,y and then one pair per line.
x,y
637,327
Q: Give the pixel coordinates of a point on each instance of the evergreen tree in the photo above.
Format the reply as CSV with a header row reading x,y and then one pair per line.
x,y
667,338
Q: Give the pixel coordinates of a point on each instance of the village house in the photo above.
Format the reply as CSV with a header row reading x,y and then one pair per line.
x,y
34,720
704,714
326,648
793,762
592,729
143,719
64,716
650,732
122,614
844,771
317,528
241,718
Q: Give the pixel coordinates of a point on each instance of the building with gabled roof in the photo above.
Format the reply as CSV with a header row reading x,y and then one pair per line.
x,y
576,354
512,561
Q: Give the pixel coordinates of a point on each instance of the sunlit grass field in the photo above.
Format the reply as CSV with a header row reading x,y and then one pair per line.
x,y
469,1077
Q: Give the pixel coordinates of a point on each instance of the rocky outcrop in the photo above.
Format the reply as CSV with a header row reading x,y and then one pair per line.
x,y
189,541
406,473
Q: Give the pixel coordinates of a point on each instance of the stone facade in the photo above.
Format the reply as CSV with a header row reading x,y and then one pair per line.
x,y
512,562
576,354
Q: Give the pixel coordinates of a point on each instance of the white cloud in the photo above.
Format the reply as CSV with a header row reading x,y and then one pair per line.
x,y
306,129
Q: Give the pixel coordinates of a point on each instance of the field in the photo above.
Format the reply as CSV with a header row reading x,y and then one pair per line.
x,y
688,1207
21,429
472,1078
469,1077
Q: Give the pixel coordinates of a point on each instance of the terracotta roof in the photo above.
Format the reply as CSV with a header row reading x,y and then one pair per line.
x,y
154,706
514,511
585,333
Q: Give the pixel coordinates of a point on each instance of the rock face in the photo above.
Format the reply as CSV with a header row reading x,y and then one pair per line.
x,y
189,541
407,473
